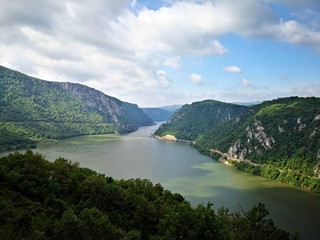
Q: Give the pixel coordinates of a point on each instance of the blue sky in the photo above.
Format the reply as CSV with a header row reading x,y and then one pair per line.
x,y
157,53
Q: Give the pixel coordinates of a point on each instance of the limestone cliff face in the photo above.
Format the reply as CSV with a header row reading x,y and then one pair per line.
x,y
281,128
60,110
256,141
126,115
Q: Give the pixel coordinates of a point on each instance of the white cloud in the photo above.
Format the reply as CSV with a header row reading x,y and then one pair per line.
x,y
233,69
174,62
305,91
119,46
245,82
296,33
195,78
183,28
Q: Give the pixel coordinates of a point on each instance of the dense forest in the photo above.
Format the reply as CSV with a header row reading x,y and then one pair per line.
x,y
278,139
34,110
60,200
192,120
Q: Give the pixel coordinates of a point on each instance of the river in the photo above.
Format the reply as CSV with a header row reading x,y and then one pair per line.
x,y
180,168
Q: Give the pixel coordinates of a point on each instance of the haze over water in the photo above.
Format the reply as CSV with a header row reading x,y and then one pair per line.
x,y
180,168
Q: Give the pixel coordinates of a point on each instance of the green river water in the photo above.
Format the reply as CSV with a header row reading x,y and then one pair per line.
x,y
180,168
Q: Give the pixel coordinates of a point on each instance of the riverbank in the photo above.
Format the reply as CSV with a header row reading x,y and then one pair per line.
x,y
283,174
171,138
226,158
286,174
180,168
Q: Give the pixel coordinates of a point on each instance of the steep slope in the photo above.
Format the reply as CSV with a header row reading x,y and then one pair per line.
x,y
35,109
279,139
192,120
282,128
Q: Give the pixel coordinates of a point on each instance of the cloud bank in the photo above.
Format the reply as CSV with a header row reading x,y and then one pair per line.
x,y
122,47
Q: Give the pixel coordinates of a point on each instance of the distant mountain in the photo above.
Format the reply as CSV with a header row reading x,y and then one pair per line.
x,y
32,109
171,108
157,114
279,139
161,114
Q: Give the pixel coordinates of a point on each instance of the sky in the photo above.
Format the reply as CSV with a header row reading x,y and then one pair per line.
x,y
157,53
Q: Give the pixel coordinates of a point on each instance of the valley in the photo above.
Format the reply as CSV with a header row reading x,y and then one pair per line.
x,y
277,139
180,168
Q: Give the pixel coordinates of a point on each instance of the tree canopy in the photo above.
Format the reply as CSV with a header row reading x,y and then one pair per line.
x,y
60,200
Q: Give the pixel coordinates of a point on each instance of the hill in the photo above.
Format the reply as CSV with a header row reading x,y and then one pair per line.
x,y
171,108
32,109
190,121
60,200
161,114
279,139
157,114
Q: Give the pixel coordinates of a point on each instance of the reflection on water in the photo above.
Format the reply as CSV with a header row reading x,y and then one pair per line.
x,y
182,169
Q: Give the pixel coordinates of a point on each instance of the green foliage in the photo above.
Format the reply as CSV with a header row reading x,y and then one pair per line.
x,y
289,121
240,226
192,120
33,110
290,127
60,200
289,173
11,141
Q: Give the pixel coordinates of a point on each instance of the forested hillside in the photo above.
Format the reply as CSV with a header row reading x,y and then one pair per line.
x,y
190,121
279,139
32,109
60,200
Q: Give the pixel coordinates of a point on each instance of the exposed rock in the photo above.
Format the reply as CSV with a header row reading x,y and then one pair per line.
x,y
169,138
228,117
281,130
315,131
258,133
317,117
127,115
235,152
301,124
299,120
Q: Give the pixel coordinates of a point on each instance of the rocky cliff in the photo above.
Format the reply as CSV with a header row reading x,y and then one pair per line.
x,y
127,116
279,139
34,109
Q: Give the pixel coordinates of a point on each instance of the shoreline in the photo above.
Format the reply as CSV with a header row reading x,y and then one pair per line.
x,y
171,138
226,159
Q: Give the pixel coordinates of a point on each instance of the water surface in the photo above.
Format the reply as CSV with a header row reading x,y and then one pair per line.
x,y
180,168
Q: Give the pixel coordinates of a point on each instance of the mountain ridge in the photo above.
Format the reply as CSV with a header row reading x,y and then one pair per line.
x,y
279,139
186,124
36,109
